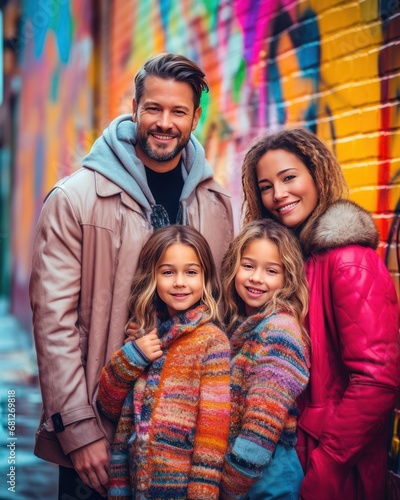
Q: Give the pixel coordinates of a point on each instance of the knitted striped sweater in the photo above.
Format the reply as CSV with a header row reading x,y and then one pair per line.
x,y
173,427
269,370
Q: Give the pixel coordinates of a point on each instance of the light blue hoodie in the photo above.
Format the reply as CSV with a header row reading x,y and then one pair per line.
x,y
113,155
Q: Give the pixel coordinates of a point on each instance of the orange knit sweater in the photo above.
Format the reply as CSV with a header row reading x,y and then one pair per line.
x,y
173,430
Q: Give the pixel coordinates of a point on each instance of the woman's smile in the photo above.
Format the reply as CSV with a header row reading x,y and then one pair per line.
x,y
287,188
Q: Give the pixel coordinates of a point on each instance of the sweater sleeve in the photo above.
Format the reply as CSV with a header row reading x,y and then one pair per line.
x,y
117,378
212,426
279,376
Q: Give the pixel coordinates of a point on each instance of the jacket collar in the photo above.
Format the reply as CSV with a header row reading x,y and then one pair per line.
x,y
113,155
344,223
212,185
106,188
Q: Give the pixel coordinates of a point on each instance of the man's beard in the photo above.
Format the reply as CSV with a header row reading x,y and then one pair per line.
x,y
157,154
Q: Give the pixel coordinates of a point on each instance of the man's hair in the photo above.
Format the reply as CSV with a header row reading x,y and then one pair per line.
x,y
172,67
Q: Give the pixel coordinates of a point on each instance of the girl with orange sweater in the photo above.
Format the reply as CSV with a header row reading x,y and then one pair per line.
x,y
169,388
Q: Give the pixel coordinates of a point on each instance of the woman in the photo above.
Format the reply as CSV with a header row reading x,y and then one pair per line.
x,y
292,177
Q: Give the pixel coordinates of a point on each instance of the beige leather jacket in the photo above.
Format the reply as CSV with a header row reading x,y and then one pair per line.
x,y
87,243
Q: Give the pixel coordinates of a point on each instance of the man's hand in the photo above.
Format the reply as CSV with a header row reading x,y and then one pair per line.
x,y
91,462
150,345
132,332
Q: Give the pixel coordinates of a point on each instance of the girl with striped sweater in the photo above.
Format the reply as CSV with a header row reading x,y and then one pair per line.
x,y
265,301
168,386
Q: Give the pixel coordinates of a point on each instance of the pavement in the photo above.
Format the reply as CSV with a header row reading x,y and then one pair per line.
x,y
22,475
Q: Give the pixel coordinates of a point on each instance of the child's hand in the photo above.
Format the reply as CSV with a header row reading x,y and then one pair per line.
x,y
150,345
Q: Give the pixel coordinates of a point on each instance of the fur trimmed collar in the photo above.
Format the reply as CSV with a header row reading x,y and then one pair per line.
x,y
344,223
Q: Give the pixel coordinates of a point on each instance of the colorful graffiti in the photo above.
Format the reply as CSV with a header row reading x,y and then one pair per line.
x,y
331,66
55,111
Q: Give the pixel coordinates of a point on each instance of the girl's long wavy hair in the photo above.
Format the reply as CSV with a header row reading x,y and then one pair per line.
x,y
144,302
320,162
292,297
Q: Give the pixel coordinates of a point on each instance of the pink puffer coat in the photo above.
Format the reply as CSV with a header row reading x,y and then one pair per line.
x,y
355,372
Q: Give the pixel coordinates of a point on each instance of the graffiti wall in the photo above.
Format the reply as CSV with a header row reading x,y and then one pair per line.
x,y
55,114
330,65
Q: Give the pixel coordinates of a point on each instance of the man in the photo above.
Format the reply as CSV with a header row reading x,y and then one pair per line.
x,y
146,171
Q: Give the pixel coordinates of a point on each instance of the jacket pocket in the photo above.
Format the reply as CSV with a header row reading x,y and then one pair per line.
x,y
314,419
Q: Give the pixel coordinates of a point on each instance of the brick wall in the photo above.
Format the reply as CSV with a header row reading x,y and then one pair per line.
x,y
332,66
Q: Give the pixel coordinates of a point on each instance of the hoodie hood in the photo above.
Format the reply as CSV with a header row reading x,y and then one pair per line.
x,y
344,223
113,155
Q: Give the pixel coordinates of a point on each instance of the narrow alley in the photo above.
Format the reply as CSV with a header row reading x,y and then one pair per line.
x,y
23,476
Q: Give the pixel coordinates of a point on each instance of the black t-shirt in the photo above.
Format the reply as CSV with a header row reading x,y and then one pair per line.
x,y
166,188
